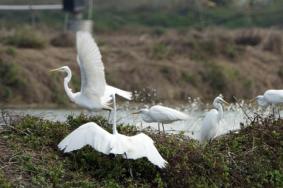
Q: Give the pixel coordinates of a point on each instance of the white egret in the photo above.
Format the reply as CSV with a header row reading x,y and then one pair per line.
x,y
211,120
95,93
131,147
161,114
270,97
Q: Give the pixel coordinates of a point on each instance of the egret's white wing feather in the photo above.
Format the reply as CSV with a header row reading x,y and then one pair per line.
x,y
274,96
87,134
109,90
143,146
163,114
209,126
91,65
82,72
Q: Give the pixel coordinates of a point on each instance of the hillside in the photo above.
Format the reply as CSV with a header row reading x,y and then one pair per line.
x,y
171,65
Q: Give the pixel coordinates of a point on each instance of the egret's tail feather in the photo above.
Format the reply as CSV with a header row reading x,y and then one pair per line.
x,y
125,94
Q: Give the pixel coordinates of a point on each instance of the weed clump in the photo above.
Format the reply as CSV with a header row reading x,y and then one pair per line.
x,y
26,38
252,157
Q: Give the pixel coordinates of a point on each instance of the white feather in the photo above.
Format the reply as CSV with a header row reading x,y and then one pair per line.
x,y
209,126
162,114
91,66
132,147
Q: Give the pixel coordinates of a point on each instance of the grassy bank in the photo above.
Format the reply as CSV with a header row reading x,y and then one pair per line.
x,y
250,158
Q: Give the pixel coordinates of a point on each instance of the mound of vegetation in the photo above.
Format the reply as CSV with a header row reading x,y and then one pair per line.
x,y
250,158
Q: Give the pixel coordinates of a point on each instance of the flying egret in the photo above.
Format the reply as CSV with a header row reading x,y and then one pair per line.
x,y
161,114
270,97
131,147
95,93
211,120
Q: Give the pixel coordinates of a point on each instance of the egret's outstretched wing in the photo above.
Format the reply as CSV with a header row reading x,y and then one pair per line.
x,y
91,65
143,146
87,134
162,113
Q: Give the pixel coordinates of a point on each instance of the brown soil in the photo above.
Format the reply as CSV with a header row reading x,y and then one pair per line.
x,y
178,64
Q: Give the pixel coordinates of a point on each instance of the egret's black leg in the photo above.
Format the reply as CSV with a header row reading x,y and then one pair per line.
x,y
130,168
163,128
158,127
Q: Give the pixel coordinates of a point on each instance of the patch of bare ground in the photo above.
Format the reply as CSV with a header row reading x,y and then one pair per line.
x,y
177,63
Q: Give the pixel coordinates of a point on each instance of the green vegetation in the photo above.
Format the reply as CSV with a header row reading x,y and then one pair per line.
x,y
250,158
11,81
26,38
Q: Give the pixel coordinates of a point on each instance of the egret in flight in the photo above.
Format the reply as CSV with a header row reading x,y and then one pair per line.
x,y
161,114
95,93
131,147
211,120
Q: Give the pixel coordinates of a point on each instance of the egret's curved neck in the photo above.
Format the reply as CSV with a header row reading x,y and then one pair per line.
x,y
114,128
66,84
220,112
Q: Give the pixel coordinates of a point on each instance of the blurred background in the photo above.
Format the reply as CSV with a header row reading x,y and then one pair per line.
x,y
163,50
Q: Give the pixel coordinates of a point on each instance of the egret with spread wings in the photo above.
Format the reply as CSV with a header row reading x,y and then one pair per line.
x,y
131,147
95,93
161,114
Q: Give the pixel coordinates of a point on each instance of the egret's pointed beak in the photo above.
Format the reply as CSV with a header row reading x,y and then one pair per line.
x,y
253,100
53,70
225,102
137,112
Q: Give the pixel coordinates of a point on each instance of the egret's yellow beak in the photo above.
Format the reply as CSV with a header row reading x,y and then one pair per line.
x,y
225,102
136,112
253,100
53,70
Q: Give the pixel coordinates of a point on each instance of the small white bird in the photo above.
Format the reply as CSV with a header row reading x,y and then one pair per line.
x,y
95,93
131,147
211,120
270,97
161,114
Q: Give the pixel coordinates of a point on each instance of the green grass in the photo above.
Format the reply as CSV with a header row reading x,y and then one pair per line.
x,y
25,37
251,158
11,80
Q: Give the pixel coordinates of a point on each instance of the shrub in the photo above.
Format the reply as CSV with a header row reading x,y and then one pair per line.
x,y
26,38
66,39
10,80
252,157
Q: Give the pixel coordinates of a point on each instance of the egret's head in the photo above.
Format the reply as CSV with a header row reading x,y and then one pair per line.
x,y
219,101
261,100
62,69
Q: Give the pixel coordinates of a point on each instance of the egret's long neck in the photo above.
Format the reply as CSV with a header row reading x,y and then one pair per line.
x,y
114,115
66,84
220,112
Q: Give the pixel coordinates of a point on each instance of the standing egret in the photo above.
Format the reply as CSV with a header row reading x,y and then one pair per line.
x,y
131,147
161,114
95,93
270,97
211,120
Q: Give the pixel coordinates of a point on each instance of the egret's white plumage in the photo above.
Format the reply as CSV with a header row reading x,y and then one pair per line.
x,y
95,94
270,97
131,147
162,114
211,120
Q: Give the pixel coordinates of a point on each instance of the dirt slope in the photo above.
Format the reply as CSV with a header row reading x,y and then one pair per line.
x,y
171,65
